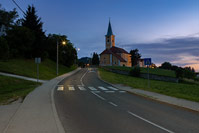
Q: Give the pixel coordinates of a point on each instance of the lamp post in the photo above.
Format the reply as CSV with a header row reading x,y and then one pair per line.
x,y
63,43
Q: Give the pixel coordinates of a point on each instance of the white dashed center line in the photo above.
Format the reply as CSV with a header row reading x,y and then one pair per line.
x,y
98,95
113,104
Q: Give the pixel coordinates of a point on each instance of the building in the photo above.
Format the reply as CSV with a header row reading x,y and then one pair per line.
x,y
112,55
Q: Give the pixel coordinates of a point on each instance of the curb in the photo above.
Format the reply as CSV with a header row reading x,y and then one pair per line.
x,y
155,98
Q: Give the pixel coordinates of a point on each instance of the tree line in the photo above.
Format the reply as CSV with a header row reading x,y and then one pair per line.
x,y
25,38
186,72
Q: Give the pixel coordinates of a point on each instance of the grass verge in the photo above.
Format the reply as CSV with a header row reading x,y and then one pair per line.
x,y
179,90
155,71
25,67
12,89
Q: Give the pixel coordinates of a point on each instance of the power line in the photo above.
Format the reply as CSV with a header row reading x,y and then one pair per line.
x,y
18,6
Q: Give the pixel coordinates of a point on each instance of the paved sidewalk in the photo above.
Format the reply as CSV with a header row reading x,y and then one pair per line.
x,y
159,97
37,113
163,98
22,77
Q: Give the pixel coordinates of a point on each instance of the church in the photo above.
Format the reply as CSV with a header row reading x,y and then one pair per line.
x,y
112,55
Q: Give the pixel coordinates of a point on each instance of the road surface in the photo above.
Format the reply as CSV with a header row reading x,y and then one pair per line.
x,y
85,104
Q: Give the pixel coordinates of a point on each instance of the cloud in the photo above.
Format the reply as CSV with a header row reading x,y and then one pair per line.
x,y
181,51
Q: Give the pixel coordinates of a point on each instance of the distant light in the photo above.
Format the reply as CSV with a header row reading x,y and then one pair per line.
x,y
78,49
64,42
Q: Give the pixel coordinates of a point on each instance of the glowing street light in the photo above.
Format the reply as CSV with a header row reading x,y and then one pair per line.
x,y
63,43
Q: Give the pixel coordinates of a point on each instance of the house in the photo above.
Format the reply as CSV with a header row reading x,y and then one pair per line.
x,y
112,55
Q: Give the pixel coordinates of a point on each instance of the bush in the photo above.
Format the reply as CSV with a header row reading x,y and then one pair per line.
x,y
4,49
135,72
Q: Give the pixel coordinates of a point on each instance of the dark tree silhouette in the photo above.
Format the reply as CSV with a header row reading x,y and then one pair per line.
x,y
7,18
95,59
135,57
166,65
33,22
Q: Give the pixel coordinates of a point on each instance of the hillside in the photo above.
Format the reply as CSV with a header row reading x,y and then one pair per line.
x,y
25,67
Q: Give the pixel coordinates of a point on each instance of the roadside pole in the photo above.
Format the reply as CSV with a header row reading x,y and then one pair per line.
x,y
148,77
38,61
147,62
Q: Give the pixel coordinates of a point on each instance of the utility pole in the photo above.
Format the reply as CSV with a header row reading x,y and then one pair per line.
x,y
57,57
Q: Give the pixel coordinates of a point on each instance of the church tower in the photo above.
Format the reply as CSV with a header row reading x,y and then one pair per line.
x,y
110,38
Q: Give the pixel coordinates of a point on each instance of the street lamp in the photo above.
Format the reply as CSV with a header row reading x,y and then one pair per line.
x,y
63,43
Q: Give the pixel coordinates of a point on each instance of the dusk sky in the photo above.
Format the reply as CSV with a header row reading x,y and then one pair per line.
x,y
165,30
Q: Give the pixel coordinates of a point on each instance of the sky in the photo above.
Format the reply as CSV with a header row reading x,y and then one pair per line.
x,y
164,30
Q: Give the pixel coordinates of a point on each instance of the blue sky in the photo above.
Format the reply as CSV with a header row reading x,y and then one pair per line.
x,y
165,30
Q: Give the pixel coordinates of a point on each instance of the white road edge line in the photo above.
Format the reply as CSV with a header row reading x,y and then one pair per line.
x,y
98,96
139,117
83,77
113,104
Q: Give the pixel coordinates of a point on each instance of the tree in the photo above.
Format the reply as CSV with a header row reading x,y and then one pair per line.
x,y
135,57
67,52
33,22
95,59
166,65
7,18
20,40
4,49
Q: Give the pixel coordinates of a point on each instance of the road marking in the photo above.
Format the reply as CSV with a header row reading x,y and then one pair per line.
x,y
96,91
122,91
113,104
71,88
80,85
139,117
60,88
98,95
81,88
112,88
109,91
102,88
83,77
92,88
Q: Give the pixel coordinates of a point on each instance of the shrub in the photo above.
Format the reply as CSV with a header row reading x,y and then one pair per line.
x,y
135,72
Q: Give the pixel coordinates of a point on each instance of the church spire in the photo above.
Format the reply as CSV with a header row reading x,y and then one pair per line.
x,y
110,38
109,32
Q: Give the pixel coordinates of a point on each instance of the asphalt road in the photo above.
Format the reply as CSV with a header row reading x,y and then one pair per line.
x,y
85,104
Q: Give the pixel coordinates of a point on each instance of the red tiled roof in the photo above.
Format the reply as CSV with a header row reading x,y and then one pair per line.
x,y
118,50
113,52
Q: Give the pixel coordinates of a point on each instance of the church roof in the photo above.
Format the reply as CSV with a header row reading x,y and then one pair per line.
x,y
109,32
114,51
118,50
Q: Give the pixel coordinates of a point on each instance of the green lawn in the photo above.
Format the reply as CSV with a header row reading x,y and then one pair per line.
x,y
28,68
11,89
179,90
156,71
